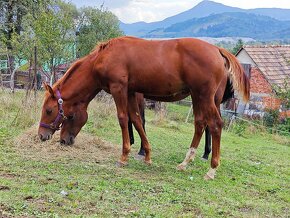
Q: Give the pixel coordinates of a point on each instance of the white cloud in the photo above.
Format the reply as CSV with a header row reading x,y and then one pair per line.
x,y
152,10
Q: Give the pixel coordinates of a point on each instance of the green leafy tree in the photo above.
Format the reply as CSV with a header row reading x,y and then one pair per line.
x,y
52,32
12,16
238,46
95,25
55,28
283,93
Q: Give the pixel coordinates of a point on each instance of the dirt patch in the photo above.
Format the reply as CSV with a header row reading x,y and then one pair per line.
x,y
8,175
86,147
4,211
4,188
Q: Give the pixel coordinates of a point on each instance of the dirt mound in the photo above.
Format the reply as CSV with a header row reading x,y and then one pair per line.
x,y
86,147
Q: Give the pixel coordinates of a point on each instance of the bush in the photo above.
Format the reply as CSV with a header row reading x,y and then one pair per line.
x,y
239,127
271,118
284,127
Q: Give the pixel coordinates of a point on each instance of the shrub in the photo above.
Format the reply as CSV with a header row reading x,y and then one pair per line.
x,y
239,127
271,118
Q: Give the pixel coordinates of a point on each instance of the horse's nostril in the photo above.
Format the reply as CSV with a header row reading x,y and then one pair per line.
x,y
62,141
41,137
71,139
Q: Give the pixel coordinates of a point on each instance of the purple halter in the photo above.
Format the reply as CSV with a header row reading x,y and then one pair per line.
x,y
55,125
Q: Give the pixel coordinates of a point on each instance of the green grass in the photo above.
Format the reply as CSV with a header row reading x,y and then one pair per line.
x,y
252,181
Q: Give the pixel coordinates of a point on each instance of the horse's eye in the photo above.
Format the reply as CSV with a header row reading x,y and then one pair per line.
x,y
48,111
70,117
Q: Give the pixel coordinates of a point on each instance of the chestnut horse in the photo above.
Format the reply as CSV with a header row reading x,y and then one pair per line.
x,y
166,70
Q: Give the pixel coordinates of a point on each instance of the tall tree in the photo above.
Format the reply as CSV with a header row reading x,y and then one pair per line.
x,y
11,14
95,25
52,32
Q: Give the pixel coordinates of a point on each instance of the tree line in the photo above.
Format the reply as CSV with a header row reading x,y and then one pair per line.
x,y
58,30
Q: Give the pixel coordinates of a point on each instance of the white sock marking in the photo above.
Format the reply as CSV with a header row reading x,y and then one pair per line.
x,y
211,173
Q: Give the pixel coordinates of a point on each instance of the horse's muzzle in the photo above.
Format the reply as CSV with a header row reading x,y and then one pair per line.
x,y
45,137
68,141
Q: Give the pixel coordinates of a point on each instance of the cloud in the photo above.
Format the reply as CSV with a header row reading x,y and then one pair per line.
x,y
151,10
111,4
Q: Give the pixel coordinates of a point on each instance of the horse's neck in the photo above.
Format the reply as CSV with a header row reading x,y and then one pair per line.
x,y
80,87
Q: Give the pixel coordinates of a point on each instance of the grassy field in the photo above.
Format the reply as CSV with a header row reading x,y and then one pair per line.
x,y
82,181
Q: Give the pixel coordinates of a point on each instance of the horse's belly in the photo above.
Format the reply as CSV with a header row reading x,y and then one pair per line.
x,y
159,88
157,83
169,98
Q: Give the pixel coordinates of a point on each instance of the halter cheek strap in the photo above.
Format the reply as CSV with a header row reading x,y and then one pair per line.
x,y
60,118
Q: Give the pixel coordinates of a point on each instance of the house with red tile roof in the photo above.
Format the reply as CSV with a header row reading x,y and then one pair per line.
x,y
270,68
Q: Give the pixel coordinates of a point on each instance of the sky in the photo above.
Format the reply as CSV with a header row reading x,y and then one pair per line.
x,y
129,11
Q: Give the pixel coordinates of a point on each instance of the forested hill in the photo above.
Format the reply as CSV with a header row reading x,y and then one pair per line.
x,y
227,24
231,21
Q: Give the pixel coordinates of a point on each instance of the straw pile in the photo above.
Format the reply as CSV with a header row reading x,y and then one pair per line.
x,y
86,147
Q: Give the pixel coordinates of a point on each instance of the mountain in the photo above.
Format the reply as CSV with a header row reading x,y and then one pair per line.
x,y
203,9
277,13
230,24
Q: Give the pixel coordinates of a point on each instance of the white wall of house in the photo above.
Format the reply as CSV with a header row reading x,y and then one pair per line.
x,y
244,58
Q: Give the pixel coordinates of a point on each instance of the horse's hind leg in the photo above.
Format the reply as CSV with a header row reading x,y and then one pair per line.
x,y
206,113
119,93
207,146
134,114
215,124
141,106
131,134
200,124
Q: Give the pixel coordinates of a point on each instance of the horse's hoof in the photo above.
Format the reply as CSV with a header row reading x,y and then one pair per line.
x,y
139,157
207,177
204,159
181,167
210,174
120,164
148,162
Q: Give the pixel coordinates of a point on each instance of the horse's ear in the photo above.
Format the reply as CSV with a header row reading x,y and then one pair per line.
x,y
48,88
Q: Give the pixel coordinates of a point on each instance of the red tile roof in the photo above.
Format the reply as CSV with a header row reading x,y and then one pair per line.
x,y
273,61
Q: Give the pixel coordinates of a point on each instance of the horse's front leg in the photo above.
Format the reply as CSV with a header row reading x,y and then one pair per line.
x,y
134,113
120,95
215,124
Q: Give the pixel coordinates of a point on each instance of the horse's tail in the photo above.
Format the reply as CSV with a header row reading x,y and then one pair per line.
x,y
229,91
236,72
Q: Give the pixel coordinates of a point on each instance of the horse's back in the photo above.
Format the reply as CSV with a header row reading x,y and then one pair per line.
x,y
162,67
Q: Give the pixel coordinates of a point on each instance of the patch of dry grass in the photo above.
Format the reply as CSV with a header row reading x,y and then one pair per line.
x,y
23,111
86,147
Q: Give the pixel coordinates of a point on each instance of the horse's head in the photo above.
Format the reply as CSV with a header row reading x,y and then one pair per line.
x,y
67,115
72,126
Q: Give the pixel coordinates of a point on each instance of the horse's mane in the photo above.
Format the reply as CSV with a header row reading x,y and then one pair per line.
x,y
68,73
105,45
95,52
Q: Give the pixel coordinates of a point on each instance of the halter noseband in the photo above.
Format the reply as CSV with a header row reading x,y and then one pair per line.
x,y
55,125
